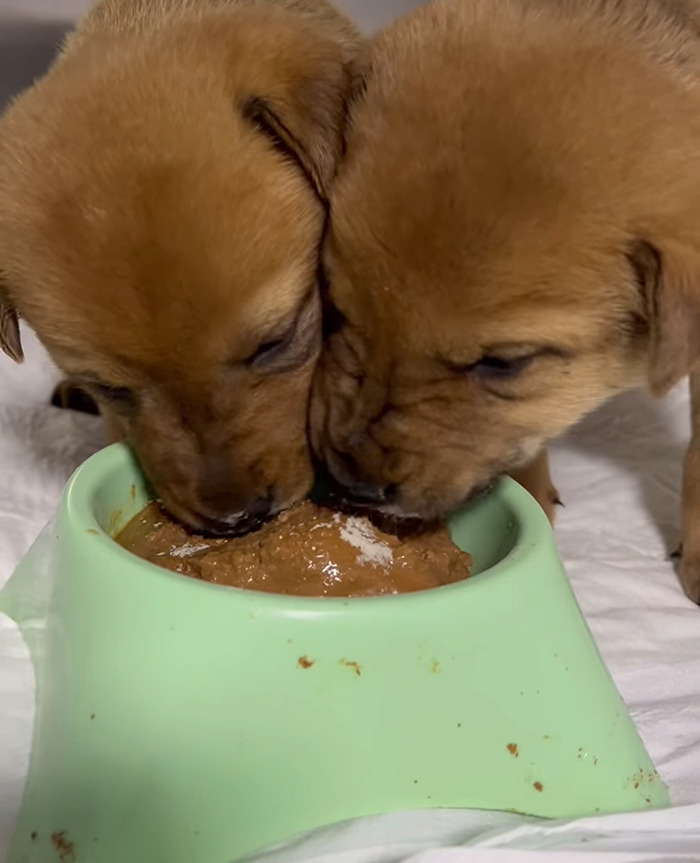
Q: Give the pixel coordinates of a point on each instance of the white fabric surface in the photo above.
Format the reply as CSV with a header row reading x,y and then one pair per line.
x,y
618,475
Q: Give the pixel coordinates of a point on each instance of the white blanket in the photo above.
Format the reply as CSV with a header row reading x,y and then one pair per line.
x,y
618,475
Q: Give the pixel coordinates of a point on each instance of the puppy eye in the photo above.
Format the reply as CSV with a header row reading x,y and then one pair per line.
x,y
268,352
293,348
497,366
501,367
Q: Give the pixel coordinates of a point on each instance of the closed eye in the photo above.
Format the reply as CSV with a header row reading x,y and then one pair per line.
x,y
268,351
503,366
294,346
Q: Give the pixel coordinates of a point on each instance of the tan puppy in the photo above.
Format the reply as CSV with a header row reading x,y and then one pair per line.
x,y
515,237
161,206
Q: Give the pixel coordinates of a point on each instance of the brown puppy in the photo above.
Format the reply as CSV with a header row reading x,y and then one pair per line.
x,y
161,206
515,237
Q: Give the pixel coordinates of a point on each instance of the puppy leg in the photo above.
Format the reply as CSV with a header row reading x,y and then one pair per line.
x,y
535,477
689,569
69,396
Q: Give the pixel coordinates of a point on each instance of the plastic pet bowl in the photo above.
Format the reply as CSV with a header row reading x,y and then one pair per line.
x,y
179,721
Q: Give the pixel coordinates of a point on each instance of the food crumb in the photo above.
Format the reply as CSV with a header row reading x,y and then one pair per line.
x,y
356,667
435,667
65,849
33,836
304,662
538,786
513,749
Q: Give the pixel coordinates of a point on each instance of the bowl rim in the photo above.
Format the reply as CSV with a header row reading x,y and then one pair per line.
x,y
78,509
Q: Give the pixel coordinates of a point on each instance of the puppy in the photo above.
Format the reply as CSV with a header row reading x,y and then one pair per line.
x,y
514,238
162,200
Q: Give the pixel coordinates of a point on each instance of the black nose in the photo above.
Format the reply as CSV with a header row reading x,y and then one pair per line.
x,y
261,507
339,480
255,515
365,494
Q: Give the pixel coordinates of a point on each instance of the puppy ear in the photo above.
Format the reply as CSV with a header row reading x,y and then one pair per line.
x,y
10,340
306,128
305,116
670,279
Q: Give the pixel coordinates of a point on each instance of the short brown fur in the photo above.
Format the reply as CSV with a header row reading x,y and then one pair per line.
x,y
515,237
161,206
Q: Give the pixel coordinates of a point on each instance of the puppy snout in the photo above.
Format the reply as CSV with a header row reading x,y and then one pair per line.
x,y
229,522
368,494
235,524
223,504
344,481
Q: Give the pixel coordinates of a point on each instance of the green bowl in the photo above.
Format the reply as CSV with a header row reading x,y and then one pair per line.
x,y
179,721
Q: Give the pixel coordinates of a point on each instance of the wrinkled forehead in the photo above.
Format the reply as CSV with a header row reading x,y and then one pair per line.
x,y
527,277
193,330
180,286
490,197
124,246
177,304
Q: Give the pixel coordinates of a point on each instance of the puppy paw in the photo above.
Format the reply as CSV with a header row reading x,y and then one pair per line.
x,y
69,396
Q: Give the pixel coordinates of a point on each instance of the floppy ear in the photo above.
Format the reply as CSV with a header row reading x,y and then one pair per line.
x,y
304,114
10,340
670,278
306,125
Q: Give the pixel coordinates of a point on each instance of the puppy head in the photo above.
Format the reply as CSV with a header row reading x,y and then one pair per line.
x,y
161,207
511,243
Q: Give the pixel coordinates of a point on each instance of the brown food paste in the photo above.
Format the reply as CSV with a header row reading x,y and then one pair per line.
x,y
307,551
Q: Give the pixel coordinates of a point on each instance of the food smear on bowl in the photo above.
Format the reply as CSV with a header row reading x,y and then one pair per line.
x,y
306,551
